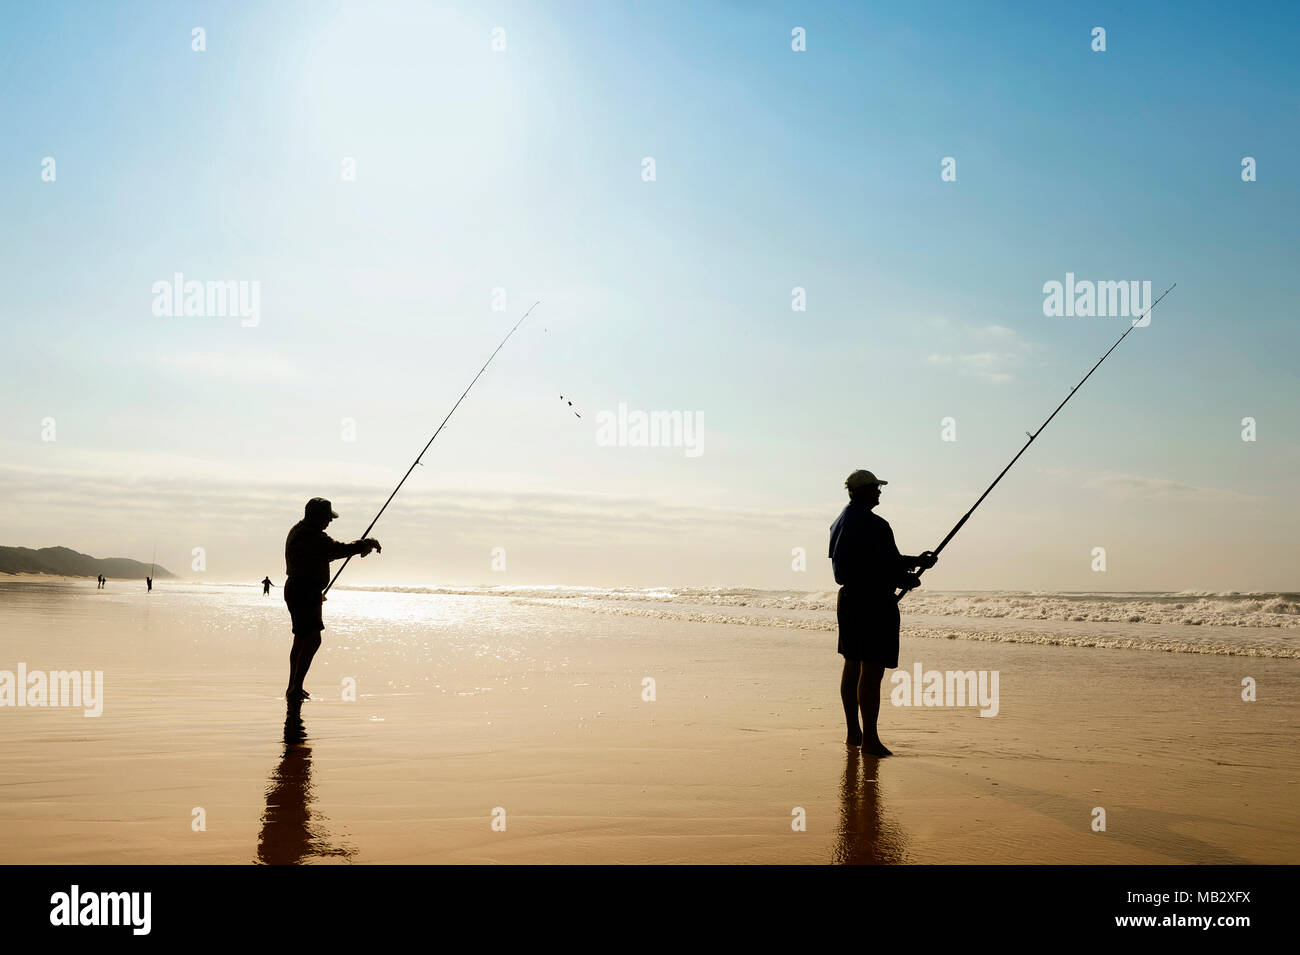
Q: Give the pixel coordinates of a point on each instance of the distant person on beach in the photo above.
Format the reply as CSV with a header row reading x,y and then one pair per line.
x,y
868,567
308,551
149,582
266,586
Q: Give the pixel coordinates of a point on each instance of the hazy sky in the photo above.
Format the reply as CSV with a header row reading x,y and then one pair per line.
x,y
522,169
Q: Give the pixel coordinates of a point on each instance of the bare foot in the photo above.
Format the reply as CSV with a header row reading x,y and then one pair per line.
x,y
854,739
877,748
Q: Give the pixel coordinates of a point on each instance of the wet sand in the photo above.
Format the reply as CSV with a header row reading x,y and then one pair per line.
x,y
466,705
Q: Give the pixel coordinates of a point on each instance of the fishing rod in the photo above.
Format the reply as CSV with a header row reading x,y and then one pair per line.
x,y
366,533
953,533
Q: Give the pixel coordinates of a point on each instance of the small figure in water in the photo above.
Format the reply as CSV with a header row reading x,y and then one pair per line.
x,y
868,567
308,551
266,586
149,582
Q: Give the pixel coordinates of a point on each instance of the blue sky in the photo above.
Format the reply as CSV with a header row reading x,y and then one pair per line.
x,y
521,169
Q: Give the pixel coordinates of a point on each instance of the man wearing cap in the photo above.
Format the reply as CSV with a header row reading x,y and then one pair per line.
x,y
868,567
308,551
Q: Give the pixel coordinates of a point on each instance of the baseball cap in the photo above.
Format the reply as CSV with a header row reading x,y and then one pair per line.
x,y
319,504
861,478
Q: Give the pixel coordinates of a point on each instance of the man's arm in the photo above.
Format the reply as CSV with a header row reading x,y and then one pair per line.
x,y
906,566
839,563
336,550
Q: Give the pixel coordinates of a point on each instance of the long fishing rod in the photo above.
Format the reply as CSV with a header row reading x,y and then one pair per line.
x,y
366,533
953,533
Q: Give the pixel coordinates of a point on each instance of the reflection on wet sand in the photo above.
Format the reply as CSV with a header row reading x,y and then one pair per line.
x,y
292,833
865,836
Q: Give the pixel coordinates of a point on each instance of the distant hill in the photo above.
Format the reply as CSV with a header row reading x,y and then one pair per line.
x,y
69,563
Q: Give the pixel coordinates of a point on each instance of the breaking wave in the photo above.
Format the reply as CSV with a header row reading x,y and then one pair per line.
x,y
1231,623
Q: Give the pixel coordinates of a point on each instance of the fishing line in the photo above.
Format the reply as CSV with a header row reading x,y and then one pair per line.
x,y
952,533
366,533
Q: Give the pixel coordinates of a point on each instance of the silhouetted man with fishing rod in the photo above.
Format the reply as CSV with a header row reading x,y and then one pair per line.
x,y
868,568
308,551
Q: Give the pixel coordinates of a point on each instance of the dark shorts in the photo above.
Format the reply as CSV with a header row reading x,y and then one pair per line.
x,y
304,610
869,623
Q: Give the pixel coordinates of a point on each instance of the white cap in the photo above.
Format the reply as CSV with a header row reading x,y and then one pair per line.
x,y
860,478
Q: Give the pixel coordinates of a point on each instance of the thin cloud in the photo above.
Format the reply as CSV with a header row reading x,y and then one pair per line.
x,y
63,498
231,367
986,365
1003,352
1138,487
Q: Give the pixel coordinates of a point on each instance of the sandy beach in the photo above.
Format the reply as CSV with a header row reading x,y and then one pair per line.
x,y
467,705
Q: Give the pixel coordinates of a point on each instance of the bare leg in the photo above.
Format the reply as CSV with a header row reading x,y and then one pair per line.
x,y
869,701
300,657
294,653
849,697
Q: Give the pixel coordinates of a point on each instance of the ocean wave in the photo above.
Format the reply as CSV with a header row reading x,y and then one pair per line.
x,y
1162,639
1264,609
1227,609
